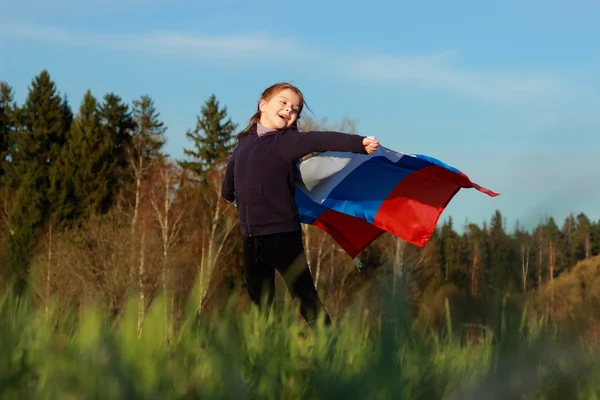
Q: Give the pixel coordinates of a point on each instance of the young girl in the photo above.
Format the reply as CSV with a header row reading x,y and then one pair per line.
x,y
260,178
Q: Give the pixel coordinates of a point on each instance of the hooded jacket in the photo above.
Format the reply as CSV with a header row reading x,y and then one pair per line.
x,y
260,175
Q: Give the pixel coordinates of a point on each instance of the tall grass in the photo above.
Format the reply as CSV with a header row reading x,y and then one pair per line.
x,y
229,355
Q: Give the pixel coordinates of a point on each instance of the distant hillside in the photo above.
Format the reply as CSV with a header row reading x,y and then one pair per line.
x,y
572,297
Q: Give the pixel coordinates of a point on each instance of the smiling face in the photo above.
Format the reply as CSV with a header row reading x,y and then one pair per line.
x,y
281,110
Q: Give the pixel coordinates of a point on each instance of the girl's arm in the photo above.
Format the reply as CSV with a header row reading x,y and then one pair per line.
x,y
294,145
228,187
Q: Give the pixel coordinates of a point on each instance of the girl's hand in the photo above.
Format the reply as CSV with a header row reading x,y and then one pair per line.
x,y
370,145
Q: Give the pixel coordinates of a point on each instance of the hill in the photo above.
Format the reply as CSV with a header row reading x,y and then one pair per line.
x,y
572,300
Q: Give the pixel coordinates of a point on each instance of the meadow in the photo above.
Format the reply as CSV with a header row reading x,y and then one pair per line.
x,y
105,242
249,355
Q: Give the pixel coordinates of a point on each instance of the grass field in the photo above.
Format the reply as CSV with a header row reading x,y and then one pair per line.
x,y
232,356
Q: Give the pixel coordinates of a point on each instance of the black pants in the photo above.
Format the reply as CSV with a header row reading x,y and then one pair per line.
x,y
283,252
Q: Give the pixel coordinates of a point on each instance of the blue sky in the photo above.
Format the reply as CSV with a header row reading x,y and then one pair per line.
x,y
509,93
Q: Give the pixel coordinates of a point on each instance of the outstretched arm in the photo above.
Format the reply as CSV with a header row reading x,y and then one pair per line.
x,y
294,145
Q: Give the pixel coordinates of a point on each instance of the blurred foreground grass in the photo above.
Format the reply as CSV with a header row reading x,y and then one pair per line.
x,y
85,355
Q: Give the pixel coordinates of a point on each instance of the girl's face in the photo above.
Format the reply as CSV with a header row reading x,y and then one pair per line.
x,y
281,110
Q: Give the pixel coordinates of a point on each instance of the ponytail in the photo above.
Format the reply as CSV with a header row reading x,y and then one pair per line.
x,y
251,122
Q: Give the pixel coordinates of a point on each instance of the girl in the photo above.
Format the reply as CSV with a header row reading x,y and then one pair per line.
x,y
260,178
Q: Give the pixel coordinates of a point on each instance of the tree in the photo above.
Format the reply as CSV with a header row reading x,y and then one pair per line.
x,y
219,220
163,197
116,122
450,255
595,238
86,169
502,268
473,256
582,238
569,245
556,254
7,125
8,122
212,138
146,145
44,122
524,244
143,153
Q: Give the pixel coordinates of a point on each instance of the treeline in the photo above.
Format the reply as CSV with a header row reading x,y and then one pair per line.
x,y
67,173
93,209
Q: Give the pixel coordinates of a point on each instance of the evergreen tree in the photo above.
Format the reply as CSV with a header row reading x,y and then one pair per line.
x,y
8,118
212,138
539,239
7,127
67,120
595,238
568,248
148,136
92,186
473,257
556,247
450,255
44,119
582,238
146,145
503,265
117,125
86,167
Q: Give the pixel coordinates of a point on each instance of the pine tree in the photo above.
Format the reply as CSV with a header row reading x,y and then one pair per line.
x,y
149,132
595,238
8,181
146,145
93,185
556,254
117,125
67,120
212,138
473,243
503,264
450,255
7,126
568,248
84,176
43,120
582,238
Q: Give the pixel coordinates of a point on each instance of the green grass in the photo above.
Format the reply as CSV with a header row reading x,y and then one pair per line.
x,y
229,356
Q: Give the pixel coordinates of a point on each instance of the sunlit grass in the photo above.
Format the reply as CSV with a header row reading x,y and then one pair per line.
x,y
85,355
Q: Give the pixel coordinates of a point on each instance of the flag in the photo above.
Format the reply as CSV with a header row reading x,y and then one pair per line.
x,y
356,197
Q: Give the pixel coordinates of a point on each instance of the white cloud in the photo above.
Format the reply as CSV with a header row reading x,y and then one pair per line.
x,y
234,46
438,72
435,71
222,46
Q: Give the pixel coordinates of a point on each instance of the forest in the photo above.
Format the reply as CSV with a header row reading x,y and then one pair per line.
x,y
118,257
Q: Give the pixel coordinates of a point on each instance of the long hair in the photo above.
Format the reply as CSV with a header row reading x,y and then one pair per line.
x,y
267,95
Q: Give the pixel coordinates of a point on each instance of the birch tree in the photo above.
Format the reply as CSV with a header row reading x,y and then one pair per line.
x,y
221,220
212,144
163,198
147,142
145,149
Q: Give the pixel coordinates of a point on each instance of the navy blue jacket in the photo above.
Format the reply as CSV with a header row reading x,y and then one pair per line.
x,y
260,175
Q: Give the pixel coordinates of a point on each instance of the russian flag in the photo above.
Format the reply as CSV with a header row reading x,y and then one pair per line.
x,y
356,197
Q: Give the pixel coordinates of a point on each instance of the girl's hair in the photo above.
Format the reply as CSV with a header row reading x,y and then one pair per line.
x,y
267,95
